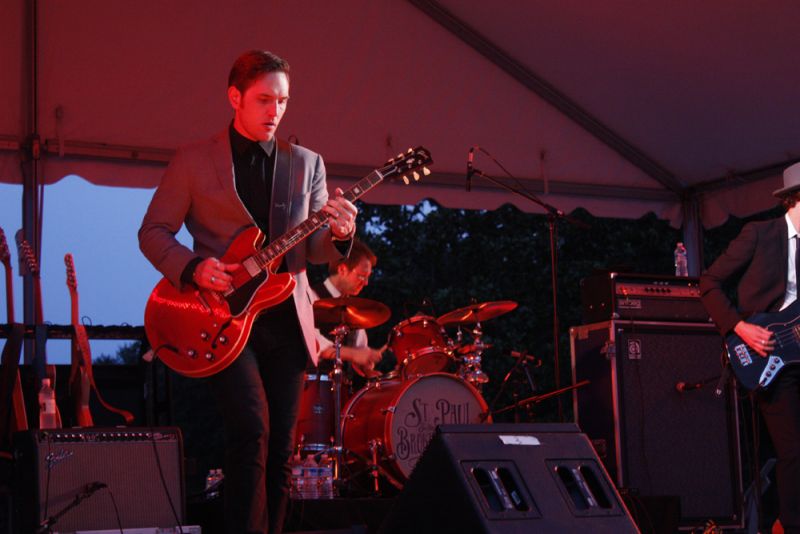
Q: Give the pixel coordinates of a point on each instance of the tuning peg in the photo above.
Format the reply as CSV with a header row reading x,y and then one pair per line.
x,y
410,150
426,171
399,156
415,174
405,179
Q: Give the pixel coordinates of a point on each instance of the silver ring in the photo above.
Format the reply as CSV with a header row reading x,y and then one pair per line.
x,y
213,279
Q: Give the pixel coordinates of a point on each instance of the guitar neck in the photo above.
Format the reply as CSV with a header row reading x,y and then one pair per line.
x,y
9,295
315,221
37,293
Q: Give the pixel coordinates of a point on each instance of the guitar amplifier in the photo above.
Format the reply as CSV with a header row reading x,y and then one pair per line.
x,y
644,297
99,478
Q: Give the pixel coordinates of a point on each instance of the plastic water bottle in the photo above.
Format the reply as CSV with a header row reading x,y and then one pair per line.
x,y
296,488
310,478
47,406
325,477
213,481
681,264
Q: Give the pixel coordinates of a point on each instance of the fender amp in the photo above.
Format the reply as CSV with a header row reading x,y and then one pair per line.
x,y
99,479
645,297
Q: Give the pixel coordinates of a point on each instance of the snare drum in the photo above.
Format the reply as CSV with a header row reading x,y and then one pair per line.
x,y
420,346
400,416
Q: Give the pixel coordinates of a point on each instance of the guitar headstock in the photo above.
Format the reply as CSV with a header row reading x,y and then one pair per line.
x,y
408,163
5,256
72,280
28,257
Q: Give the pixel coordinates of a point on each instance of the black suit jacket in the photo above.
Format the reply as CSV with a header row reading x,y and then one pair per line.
x,y
757,258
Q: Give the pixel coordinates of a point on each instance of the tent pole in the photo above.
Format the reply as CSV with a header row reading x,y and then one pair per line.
x,y
30,154
692,233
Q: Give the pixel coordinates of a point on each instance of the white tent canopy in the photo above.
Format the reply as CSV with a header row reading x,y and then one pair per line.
x,y
616,106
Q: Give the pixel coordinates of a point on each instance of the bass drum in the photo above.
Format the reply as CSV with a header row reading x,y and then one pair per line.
x,y
398,417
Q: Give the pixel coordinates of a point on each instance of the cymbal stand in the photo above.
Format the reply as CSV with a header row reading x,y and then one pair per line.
x,y
470,369
340,332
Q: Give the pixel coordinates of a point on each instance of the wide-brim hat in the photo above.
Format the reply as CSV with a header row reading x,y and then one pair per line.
x,y
791,180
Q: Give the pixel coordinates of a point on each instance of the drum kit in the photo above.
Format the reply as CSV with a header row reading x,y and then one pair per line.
x,y
382,430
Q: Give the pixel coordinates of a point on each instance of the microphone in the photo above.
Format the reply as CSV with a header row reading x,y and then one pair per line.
x,y
525,357
683,386
470,157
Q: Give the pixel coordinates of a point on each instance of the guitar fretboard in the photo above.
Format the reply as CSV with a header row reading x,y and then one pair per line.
x,y
315,221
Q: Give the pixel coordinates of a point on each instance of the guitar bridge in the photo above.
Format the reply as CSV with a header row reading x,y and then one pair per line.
x,y
771,371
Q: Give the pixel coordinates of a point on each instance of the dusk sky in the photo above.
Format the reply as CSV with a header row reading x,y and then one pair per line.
x,y
98,226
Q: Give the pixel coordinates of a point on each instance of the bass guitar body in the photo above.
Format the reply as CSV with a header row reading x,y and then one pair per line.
x,y
197,332
755,372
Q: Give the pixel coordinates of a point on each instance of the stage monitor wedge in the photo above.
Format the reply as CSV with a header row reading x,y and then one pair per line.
x,y
509,479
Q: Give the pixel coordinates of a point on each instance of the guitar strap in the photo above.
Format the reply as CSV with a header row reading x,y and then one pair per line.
x,y
282,190
81,339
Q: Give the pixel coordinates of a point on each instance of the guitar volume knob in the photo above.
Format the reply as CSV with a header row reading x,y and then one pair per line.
x,y
209,356
204,336
223,340
191,353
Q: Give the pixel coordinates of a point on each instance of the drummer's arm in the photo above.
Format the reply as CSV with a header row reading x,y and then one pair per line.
x,y
365,356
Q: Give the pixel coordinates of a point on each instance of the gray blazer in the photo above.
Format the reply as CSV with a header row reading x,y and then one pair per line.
x,y
198,190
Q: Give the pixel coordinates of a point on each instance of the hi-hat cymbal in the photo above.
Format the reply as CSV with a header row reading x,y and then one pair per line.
x,y
352,311
475,313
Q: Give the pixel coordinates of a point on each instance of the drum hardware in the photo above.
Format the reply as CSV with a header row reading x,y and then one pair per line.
x,y
539,398
346,313
524,362
471,354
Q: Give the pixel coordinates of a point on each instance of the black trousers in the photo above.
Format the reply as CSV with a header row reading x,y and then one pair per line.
x,y
258,396
780,407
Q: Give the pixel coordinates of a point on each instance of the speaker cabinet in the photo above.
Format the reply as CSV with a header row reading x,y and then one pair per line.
x,y
652,415
509,479
99,478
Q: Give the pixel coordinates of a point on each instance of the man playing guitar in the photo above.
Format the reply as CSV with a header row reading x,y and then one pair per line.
x,y
219,187
763,261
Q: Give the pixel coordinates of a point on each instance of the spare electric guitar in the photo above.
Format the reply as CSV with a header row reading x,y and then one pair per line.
x,y
81,377
79,385
28,259
13,417
752,370
197,332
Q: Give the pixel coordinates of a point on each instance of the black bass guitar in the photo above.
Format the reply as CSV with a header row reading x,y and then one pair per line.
x,y
751,369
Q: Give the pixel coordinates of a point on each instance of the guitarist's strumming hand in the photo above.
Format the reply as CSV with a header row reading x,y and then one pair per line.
x,y
758,338
213,274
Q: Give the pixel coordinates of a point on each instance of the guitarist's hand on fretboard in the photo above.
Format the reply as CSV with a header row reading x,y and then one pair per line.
x,y
757,338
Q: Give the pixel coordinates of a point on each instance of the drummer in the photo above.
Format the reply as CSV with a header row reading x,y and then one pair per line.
x,y
347,277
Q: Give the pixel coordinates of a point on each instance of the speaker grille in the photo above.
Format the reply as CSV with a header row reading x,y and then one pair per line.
x,y
654,439
125,467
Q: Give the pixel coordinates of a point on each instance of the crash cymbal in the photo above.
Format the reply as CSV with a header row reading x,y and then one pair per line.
x,y
352,311
475,313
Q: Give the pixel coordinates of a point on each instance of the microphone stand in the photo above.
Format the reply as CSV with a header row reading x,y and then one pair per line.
x,y
553,214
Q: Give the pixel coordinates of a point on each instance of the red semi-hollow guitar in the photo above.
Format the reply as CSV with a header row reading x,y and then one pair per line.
x,y
197,332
